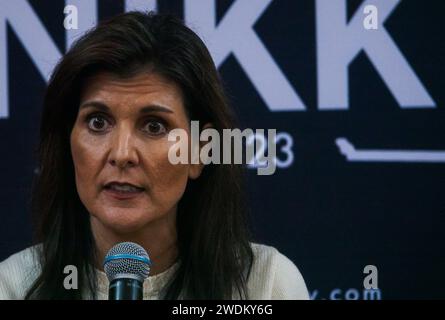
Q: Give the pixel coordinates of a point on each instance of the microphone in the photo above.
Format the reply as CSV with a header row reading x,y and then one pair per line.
x,y
126,265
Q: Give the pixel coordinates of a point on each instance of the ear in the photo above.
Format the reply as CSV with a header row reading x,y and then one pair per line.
x,y
196,169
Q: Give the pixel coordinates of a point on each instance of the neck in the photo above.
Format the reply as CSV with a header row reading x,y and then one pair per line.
x,y
158,238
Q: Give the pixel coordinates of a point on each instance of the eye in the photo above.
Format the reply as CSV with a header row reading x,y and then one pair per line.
x,y
155,127
97,123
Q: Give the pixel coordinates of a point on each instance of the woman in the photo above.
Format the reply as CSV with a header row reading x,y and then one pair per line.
x,y
105,176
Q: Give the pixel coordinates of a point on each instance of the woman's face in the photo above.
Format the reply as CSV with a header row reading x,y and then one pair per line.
x,y
119,147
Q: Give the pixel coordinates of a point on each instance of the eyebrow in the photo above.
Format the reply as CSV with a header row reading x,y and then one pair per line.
x,y
146,109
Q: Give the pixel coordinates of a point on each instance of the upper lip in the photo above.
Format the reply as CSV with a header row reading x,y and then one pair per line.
x,y
122,183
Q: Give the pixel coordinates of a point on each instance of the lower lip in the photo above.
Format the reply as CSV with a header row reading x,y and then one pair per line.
x,y
121,195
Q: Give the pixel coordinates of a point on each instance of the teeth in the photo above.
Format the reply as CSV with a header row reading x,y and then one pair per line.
x,y
124,188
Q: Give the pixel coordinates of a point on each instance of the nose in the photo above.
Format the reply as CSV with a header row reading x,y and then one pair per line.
x,y
123,152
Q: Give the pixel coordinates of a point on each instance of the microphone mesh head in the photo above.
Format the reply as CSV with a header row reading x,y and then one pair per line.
x,y
127,260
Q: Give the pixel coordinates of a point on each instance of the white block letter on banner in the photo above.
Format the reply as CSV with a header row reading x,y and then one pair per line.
x,y
235,34
338,44
34,38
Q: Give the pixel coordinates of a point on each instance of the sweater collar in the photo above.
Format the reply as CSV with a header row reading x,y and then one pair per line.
x,y
152,287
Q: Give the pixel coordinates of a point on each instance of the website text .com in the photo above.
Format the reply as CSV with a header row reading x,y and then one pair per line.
x,y
347,294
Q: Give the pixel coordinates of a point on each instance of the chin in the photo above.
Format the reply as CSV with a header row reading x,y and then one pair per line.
x,y
124,220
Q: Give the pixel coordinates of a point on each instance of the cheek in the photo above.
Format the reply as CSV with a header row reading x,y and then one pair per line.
x,y
168,181
86,157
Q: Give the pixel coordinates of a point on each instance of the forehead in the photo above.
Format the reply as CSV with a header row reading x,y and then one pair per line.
x,y
138,90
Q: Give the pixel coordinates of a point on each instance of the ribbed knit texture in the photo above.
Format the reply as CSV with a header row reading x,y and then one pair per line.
x,y
273,276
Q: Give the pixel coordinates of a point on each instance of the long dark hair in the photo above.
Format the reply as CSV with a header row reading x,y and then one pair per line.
x,y
213,240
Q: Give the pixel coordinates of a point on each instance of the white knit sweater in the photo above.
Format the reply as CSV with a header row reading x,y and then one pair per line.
x,y
273,276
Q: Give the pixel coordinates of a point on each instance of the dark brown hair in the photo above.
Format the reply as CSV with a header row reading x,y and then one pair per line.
x,y
214,250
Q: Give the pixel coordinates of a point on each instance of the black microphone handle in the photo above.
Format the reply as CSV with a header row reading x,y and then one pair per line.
x,y
125,289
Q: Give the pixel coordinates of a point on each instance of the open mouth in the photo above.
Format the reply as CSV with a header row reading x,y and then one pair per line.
x,y
123,189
